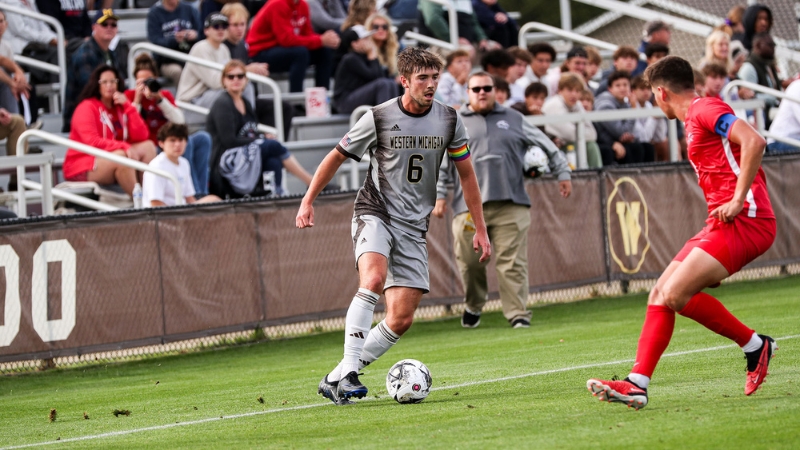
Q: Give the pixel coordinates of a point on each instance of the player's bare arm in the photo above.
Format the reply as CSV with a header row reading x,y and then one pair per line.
x,y
472,197
324,174
752,151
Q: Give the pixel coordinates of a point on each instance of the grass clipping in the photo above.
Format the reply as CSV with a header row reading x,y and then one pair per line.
x,y
121,412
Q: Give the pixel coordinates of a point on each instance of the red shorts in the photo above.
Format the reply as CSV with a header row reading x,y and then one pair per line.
x,y
83,176
734,244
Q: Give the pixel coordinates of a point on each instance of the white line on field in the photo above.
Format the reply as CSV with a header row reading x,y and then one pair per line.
x,y
297,408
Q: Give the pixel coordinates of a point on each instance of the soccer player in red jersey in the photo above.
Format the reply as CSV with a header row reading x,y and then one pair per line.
x,y
726,155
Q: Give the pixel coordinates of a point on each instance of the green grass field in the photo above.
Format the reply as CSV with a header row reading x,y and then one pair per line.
x,y
494,387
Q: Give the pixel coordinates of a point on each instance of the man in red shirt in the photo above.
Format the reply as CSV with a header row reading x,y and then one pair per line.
x,y
281,36
726,155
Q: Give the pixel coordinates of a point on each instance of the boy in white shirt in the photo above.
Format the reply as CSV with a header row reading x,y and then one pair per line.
x,y
159,191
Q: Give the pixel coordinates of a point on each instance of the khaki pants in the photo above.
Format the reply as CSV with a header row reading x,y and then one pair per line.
x,y
508,225
11,132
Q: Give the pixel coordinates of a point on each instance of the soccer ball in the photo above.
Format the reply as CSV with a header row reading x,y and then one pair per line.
x,y
534,162
409,381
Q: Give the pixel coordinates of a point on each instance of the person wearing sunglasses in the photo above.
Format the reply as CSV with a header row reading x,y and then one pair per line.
x,y
177,26
92,53
499,139
244,162
201,85
386,42
106,119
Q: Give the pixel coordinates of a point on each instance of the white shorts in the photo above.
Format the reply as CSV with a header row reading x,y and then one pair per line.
x,y
406,254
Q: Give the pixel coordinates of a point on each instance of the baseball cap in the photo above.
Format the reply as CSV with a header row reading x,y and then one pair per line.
x,y
577,51
215,18
105,15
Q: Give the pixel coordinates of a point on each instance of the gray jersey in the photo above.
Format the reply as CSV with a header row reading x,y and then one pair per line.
x,y
405,151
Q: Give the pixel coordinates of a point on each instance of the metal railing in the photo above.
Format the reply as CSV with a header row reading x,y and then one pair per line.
x,y
276,92
45,163
61,68
569,35
48,192
452,18
760,125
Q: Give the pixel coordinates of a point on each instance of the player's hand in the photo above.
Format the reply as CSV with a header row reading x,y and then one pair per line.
x,y
565,188
728,211
305,216
480,242
440,208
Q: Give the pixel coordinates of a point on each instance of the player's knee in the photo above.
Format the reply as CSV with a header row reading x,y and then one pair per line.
x,y
666,297
400,323
374,283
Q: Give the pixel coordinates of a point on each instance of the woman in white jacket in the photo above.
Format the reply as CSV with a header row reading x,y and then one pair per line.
x,y
570,87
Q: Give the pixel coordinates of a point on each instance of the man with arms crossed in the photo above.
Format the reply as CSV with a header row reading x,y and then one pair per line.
x,y
407,138
726,155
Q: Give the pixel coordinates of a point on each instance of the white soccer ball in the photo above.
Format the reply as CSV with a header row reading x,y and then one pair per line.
x,y
535,162
409,381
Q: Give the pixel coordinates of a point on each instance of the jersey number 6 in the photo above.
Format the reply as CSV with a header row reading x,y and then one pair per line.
x,y
414,174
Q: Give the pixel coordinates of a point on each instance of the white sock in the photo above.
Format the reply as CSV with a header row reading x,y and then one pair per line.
x,y
753,344
639,380
381,338
357,323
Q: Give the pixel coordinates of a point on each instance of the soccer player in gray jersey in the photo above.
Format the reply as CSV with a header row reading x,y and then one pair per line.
x,y
406,138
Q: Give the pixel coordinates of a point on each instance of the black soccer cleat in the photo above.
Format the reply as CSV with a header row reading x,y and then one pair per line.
x,y
470,320
349,387
330,390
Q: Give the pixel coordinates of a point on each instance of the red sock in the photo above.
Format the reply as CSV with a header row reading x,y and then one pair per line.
x,y
710,313
656,334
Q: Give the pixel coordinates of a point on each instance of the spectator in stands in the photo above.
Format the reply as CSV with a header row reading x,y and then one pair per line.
x,y
89,55
11,127
13,82
592,74
238,17
655,32
433,22
575,63
281,36
760,69
535,96
617,143
159,191
522,61
655,52
587,100
699,83
452,90
243,161
176,26
716,78
543,55
326,15
497,62
625,59
201,85
718,45
787,122
733,20
73,16
357,13
567,101
360,78
157,108
401,10
502,91
757,19
738,57
386,42
496,23
498,154
105,119
651,130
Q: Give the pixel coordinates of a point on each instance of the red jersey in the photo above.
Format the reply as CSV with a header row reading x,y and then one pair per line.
x,y
716,159
151,113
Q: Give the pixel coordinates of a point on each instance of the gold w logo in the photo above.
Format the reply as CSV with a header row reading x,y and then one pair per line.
x,y
628,213
627,221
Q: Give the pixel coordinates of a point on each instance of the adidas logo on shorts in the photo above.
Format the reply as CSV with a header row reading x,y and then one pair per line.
x,y
395,128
